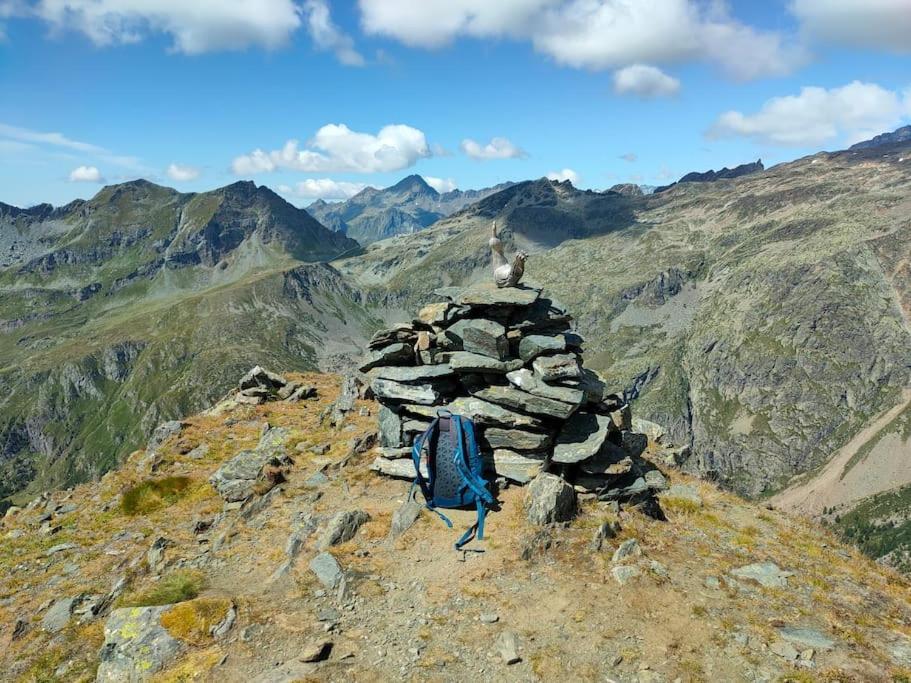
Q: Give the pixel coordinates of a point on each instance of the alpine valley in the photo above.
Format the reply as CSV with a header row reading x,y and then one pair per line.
x,y
760,317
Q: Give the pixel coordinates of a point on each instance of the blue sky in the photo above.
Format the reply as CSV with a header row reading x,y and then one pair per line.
x,y
467,93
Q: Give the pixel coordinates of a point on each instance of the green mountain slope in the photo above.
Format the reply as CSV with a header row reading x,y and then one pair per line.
x,y
143,304
763,319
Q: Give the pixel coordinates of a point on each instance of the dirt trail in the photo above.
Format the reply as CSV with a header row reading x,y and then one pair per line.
x,y
828,488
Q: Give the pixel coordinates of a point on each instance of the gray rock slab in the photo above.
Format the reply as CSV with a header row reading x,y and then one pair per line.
x,y
59,614
414,373
398,353
519,467
477,335
625,573
515,439
481,412
766,574
395,391
236,478
389,425
563,366
629,548
549,499
463,361
582,437
526,380
404,518
136,645
342,527
534,345
488,294
806,638
400,469
524,402
327,570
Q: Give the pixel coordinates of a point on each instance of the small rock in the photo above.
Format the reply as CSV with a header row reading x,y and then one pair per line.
x,y
766,574
327,570
629,548
58,616
806,637
508,647
155,556
784,649
603,532
624,573
656,480
488,618
658,569
342,527
221,629
316,651
684,492
549,499
404,518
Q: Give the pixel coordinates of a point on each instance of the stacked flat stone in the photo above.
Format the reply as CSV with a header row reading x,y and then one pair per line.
x,y
509,360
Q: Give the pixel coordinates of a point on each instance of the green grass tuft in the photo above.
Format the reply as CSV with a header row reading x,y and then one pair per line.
x,y
154,494
177,586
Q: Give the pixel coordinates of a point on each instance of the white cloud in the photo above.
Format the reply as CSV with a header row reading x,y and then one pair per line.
x,y
817,115
86,174
629,156
441,185
497,148
875,24
322,188
327,36
181,173
337,148
645,81
52,139
566,174
195,26
594,34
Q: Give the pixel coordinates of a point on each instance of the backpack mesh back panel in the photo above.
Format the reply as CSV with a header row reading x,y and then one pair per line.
x,y
448,481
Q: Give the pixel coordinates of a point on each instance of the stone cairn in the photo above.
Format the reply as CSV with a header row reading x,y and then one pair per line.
x,y
507,359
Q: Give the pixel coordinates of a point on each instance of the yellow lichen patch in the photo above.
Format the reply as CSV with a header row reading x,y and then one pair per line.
x,y
195,666
191,621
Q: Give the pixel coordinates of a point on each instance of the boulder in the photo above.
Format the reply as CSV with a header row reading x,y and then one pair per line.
x,y
582,437
534,345
163,432
549,499
136,645
556,368
423,394
59,614
236,479
400,332
404,518
463,361
342,527
398,353
259,377
480,336
524,402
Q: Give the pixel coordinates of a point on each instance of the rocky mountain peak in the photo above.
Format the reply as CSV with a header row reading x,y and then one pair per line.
x,y
414,185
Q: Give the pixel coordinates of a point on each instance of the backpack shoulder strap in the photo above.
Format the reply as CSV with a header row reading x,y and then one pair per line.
x,y
426,485
483,498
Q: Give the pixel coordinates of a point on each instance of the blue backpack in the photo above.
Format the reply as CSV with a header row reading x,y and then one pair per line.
x,y
454,469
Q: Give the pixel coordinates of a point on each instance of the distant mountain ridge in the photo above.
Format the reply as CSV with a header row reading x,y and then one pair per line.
x,y
406,207
902,134
711,175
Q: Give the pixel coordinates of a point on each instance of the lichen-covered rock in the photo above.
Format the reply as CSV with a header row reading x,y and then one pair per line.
x,y
136,645
549,499
236,479
342,527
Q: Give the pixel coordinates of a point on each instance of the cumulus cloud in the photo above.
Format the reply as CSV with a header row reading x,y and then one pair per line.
x,y
322,188
86,174
497,148
441,185
336,148
565,174
194,27
852,112
181,173
594,34
645,81
327,36
874,24
629,156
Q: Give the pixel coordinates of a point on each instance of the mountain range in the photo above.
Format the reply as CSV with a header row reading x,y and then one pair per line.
x,y
763,319
406,207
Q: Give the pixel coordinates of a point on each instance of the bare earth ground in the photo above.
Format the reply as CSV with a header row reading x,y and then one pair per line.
x,y
886,467
412,608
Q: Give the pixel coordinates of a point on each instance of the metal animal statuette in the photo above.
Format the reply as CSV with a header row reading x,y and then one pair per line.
x,y
504,273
